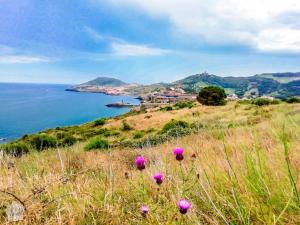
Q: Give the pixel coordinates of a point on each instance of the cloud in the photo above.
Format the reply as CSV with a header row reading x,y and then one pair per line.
x,y
279,40
94,34
126,49
120,47
10,55
19,59
265,25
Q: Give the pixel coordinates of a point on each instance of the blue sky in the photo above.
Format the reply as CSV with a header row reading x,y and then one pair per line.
x,y
67,41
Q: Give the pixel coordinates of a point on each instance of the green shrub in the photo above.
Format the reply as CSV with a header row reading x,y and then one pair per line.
x,y
100,122
60,135
138,134
125,126
167,108
212,95
43,141
292,100
97,143
16,149
264,101
184,104
174,124
68,140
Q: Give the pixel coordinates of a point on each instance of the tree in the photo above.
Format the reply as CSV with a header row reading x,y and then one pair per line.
x,y
212,95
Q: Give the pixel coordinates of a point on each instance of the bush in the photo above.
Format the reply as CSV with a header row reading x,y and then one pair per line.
x,y
100,122
184,104
167,108
138,134
97,143
174,124
68,140
125,126
292,100
60,135
264,101
16,149
212,95
43,141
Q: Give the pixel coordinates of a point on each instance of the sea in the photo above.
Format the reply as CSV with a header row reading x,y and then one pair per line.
x,y
30,108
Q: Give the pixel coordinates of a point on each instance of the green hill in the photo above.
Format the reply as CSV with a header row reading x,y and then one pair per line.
x,y
261,84
106,82
282,77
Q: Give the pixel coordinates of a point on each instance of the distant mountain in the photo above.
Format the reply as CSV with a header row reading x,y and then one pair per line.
x,y
276,84
280,85
282,77
106,82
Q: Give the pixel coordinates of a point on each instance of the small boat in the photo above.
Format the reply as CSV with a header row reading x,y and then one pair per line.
x,y
121,105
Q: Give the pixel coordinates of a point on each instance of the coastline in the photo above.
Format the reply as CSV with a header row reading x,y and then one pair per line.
x,y
34,109
4,140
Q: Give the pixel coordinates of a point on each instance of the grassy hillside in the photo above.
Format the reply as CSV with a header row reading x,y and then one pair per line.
x,y
275,84
240,166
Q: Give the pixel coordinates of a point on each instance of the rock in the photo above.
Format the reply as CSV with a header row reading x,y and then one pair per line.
x,y
15,212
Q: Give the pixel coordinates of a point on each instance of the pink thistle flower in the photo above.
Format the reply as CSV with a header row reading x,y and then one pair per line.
x,y
144,210
184,206
140,162
158,177
178,152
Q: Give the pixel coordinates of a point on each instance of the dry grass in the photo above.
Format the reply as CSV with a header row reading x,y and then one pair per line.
x,y
239,175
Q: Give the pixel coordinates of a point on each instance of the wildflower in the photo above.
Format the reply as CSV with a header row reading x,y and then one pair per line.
x,y
158,177
144,210
183,205
178,152
140,162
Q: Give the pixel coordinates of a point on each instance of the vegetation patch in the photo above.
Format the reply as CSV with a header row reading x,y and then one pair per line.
x,y
174,124
292,100
97,143
43,141
16,149
126,126
264,101
212,95
138,134
100,122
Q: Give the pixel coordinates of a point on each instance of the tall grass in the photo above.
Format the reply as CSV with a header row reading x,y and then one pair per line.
x,y
242,174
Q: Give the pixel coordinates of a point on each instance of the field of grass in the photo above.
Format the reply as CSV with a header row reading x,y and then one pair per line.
x,y
240,166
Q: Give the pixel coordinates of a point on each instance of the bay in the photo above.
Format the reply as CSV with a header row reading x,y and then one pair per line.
x,y
30,108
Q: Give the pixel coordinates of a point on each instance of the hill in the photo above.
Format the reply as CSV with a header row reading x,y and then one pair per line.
x,y
282,77
240,166
253,85
280,85
106,82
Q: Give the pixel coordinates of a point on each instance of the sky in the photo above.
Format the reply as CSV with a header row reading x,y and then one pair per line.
x,y
73,41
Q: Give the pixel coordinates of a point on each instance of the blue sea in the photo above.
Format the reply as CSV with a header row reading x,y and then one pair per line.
x,y
29,108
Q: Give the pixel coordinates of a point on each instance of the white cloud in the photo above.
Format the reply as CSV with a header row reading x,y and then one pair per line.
x,y
10,55
126,49
94,34
120,47
15,59
257,23
279,40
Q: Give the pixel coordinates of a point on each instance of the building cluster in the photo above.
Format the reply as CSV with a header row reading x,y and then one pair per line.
x,y
170,95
